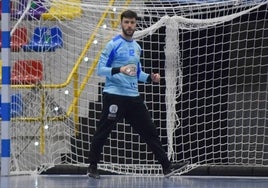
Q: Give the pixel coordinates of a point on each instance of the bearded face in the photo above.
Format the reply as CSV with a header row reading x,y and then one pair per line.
x,y
128,26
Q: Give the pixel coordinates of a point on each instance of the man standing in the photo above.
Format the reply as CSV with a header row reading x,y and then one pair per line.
x,y
120,64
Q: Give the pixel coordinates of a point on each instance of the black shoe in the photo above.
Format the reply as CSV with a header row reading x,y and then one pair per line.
x,y
174,168
92,171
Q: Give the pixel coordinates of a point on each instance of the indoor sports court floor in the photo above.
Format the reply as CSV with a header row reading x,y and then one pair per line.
x,y
116,181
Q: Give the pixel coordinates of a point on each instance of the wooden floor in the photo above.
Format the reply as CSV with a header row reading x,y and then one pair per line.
x,y
116,181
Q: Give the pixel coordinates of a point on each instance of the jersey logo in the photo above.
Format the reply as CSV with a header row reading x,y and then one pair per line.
x,y
112,111
131,52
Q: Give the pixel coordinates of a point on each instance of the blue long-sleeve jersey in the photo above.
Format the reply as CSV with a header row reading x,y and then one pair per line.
x,y
120,52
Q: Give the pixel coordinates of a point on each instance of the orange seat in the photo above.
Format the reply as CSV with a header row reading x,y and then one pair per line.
x,y
27,72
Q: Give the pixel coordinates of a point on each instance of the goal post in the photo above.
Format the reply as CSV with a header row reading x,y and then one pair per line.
x,y
210,107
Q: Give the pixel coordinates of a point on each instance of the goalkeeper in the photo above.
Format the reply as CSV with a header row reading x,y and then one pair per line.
x,y
120,64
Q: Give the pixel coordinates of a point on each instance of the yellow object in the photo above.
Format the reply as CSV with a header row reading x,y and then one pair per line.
x,y
63,10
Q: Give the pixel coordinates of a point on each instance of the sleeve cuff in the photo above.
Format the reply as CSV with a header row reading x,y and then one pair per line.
x,y
149,79
115,70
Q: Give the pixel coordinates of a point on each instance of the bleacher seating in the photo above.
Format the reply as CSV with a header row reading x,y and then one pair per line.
x,y
23,72
63,11
18,39
45,39
27,72
36,10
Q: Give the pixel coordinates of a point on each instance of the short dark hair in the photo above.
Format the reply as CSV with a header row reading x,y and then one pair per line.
x,y
129,14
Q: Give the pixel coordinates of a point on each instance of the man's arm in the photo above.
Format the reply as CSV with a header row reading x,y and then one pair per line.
x,y
104,68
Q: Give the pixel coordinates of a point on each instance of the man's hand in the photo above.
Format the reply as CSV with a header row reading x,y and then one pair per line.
x,y
130,70
155,77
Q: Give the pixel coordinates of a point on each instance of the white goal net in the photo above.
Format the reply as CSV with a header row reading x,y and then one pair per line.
x,y
210,107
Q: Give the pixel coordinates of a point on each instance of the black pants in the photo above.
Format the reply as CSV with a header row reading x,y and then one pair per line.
x,y
134,111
